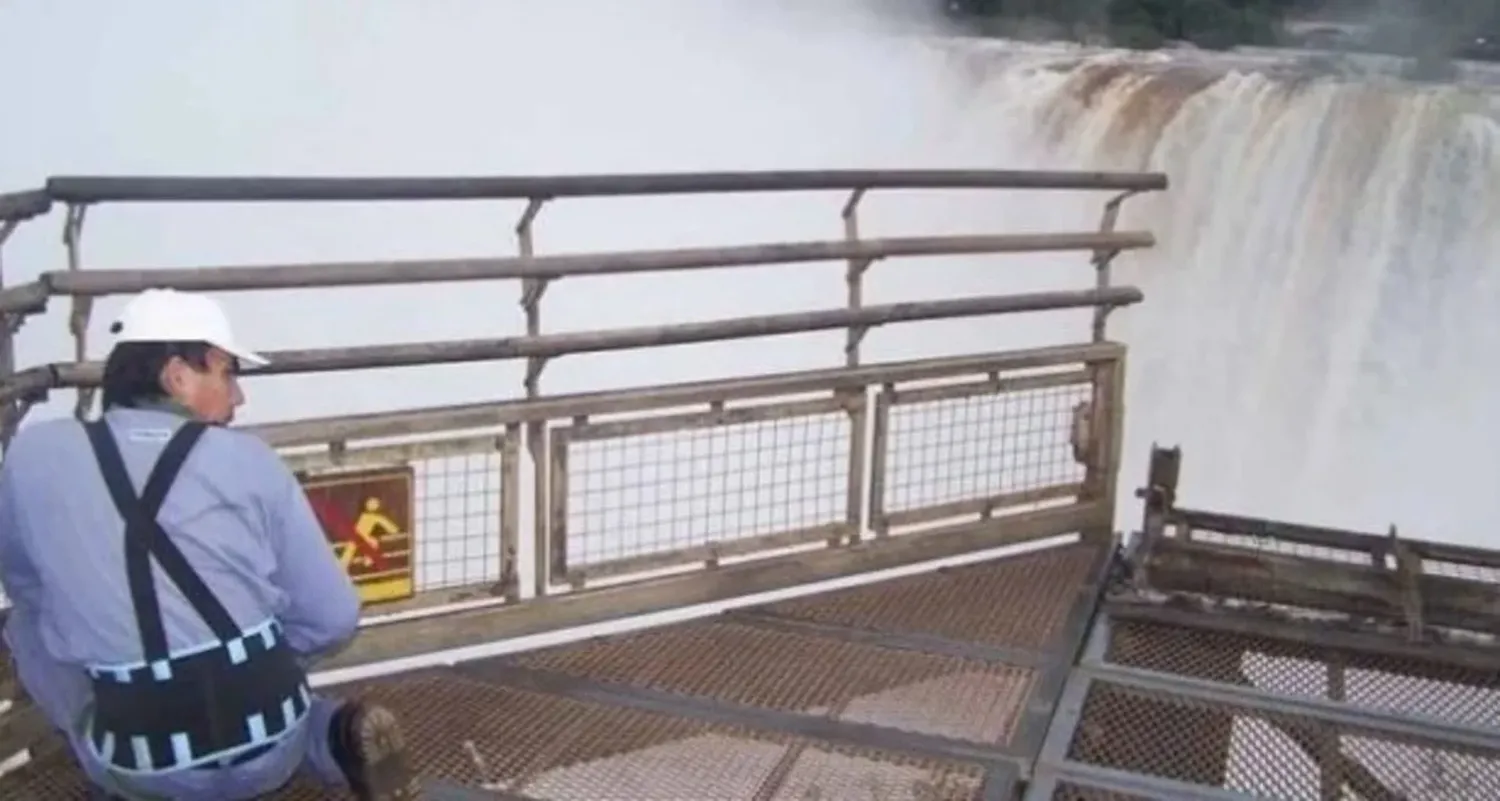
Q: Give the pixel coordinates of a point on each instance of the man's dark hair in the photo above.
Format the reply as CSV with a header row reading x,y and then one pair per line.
x,y
132,373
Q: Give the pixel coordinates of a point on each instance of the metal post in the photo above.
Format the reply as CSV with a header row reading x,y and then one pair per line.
x,y
532,290
1103,257
1107,403
854,277
1409,573
1159,495
10,413
83,306
1108,391
510,512
1330,753
858,422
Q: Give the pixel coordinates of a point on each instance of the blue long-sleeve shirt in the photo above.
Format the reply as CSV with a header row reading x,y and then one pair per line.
x,y
236,512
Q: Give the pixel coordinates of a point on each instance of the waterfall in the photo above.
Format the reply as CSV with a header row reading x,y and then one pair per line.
x,y
1321,315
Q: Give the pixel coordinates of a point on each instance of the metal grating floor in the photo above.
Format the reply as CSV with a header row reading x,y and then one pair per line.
x,y
871,694
938,686
1275,719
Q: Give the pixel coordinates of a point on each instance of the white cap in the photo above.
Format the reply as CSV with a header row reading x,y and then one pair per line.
x,y
167,315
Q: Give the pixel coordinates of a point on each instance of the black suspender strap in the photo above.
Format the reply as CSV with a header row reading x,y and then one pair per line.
x,y
145,538
211,706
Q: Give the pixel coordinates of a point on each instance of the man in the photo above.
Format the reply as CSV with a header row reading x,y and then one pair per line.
x,y
170,582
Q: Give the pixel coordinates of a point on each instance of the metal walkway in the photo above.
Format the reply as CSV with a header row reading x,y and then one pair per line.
x,y
1058,674
939,686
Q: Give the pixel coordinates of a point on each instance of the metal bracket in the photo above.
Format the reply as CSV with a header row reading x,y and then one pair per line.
x,y
857,269
1081,434
534,367
83,307
856,338
532,290
1103,257
1160,496
851,211
533,207
12,324
1107,222
1409,577
509,584
854,276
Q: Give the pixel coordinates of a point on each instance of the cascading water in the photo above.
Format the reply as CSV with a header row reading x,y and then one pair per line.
x,y
1321,306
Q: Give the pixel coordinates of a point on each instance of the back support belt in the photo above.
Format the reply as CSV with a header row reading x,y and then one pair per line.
x,y
203,705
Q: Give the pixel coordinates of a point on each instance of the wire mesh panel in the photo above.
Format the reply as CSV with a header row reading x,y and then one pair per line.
x,y
999,445
1270,754
1385,683
458,534
635,495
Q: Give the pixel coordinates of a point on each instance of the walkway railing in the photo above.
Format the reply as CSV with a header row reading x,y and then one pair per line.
x,y
866,465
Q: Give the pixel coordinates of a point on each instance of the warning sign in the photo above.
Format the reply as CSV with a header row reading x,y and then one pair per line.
x,y
367,517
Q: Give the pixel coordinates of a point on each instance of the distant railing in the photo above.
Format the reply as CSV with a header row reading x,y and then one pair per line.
x,y
970,450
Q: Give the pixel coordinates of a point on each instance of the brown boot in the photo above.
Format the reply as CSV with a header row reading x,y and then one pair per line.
x,y
367,743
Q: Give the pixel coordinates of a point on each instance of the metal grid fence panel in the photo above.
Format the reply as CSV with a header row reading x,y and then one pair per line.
x,y
1267,754
458,521
655,492
979,444
1389,684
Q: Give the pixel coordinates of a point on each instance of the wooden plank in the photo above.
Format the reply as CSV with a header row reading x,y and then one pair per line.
x,y
1323,634
1367,591
1377,545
